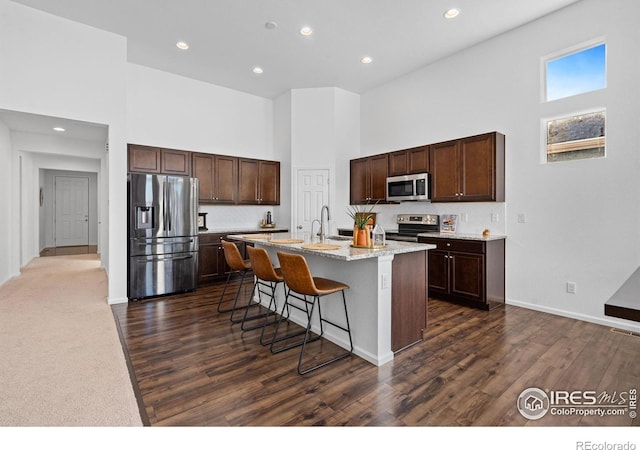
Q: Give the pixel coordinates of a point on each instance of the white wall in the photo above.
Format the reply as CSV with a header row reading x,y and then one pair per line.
x,y
282,152
6,186
347,132
64,69
324,135
583,216
172,111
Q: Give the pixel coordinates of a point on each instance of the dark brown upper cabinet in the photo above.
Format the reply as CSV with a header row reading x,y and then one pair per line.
x,y
469,170
147,159
217,176
368,179
258,182
412,160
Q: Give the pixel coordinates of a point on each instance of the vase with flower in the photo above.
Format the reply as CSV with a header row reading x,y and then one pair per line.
x,y
362,221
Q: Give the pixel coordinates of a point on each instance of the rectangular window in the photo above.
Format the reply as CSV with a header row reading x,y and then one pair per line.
x,y
576,73
576,137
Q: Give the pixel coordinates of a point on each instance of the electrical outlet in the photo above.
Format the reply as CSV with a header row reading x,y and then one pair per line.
x,y
571,287
495,217
522,218
384,281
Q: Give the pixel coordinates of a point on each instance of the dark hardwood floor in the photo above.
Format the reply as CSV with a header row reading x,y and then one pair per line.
x,y
69,250
193,367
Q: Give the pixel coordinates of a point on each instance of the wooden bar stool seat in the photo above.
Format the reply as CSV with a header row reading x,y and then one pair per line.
x,y
300,284
266,282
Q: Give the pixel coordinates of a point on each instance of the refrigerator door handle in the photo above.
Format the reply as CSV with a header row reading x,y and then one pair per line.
x,y
169,258
164,206
169,194
163,241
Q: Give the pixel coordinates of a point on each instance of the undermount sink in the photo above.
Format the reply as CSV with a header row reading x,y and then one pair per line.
x,y
340,238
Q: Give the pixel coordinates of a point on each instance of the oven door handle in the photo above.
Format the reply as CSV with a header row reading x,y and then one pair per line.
x,y
403,238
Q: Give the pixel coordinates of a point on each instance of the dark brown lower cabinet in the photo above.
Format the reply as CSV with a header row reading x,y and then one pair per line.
x,y
212,267
408,299
468,272
211,263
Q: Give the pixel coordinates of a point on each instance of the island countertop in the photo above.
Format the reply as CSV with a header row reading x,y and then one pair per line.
x,y
345,253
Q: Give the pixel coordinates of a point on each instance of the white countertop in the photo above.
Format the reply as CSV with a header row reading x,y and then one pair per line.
x,y
471,237
243,230
345,253
438,235
627,295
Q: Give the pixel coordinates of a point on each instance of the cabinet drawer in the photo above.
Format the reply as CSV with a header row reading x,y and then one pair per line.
x,y
456,245
210,238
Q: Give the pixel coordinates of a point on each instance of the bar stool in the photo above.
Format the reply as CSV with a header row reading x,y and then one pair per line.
x,y
237,265
301,284
266,282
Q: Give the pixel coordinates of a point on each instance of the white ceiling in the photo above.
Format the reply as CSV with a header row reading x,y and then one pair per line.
x,y
35,123
227,38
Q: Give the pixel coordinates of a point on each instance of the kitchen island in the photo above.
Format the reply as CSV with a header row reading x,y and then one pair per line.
x,y
387,299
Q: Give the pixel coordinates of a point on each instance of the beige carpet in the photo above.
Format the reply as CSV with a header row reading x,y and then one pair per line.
x,y
61,362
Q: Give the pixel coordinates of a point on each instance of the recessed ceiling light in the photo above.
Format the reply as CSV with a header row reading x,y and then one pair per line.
x,y
258,70
451,13
270,25
58,129
182,45
306,31
366,60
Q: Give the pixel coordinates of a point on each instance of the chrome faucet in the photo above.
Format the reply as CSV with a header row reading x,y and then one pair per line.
x,y
319,223
323,230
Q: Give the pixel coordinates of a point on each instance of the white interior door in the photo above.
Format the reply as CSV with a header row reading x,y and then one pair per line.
x,y
312,193
71,211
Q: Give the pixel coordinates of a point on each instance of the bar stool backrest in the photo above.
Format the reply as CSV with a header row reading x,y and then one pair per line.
x,y
261,264
297,274
233,257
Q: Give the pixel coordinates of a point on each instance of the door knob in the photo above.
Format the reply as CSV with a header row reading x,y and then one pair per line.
x,y
299,227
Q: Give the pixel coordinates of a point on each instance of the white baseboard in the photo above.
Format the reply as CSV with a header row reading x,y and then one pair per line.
x,y
117,301
608,322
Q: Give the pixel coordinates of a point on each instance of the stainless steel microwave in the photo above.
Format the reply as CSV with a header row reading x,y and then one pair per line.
x,y
415,187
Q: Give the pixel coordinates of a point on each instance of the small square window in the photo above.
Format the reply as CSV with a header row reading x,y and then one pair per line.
x,y
580,136
576,73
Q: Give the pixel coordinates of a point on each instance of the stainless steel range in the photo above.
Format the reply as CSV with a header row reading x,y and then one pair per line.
x,y
410,225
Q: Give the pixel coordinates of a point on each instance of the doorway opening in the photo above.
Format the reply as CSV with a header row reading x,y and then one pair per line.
x,y
68,210
311,192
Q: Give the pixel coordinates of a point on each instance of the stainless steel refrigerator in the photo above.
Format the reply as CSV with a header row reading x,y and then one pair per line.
x,y
163,235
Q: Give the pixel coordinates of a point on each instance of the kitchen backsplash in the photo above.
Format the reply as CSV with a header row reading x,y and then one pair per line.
x,y
473,218
225,217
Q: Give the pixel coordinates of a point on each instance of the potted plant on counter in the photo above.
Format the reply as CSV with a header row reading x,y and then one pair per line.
x,y
362,220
